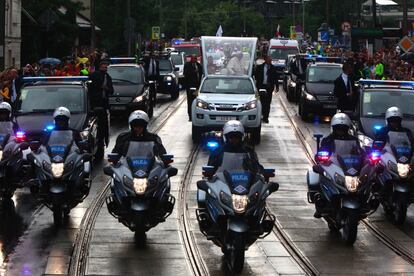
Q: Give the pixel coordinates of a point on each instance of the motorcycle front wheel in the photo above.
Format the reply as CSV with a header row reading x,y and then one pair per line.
x,y
350,229
400,211
235,254
58,216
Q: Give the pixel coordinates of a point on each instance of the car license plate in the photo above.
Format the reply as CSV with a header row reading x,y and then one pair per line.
x,y
118,107
330,106
226,118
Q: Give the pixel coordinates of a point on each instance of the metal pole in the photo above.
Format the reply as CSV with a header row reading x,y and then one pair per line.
x,y
93,33
303,17
374,12
405,17
129,25
293,12
244,17
2,33
327,12
185,20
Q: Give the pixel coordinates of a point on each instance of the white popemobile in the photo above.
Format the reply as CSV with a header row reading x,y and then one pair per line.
x,y
228,91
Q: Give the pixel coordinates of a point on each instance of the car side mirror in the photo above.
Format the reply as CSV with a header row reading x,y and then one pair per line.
x,y
273,187
34,145
114,158
202,185
108,170
318,169
172,171
176,69
167,159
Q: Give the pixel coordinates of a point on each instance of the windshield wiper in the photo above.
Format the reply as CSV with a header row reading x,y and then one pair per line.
x,y
123,80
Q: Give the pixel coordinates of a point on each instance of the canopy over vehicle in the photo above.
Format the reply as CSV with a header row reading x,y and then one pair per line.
x,y
237,55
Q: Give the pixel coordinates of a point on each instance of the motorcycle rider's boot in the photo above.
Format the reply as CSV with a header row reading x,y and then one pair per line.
x,y
319,204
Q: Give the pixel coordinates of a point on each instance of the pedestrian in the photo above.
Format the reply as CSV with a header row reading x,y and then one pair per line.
x,y
379,69
100,90
193,72
345,90
267,78
152,72
83,71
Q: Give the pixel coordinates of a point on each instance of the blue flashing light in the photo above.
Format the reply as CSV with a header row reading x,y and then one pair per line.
x,y
48,79
212,145
386,82
377,127
49,127
323,153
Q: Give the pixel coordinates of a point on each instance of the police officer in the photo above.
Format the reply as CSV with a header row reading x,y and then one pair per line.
x,y
7,124
61,117
138,123
100,89
233,134
393,118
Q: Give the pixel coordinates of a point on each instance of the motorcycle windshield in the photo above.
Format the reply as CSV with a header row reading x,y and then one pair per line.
x,y
228,55
233,172
140,157
59,144
400,145
348,155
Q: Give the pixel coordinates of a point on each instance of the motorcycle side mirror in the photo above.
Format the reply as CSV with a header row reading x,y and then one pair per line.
x,y
172,171
208,171
273,187
24,146
83,145
202,185
34,145
268,173
114,158
108,170
167,159
193,90
318,169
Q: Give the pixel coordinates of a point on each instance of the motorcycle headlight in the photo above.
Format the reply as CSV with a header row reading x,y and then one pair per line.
x,y
168,78
140,185
351,183
57,169
250,105
202,104
84,134
403,170
293,84
239,203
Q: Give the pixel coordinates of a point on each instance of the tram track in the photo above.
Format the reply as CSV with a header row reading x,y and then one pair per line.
x,y
383,237
78,261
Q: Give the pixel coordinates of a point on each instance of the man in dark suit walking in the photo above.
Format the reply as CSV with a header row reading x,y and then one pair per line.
x,y
345,90
266,77
152,73
193,71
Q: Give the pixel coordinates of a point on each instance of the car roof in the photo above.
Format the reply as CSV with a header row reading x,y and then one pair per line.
x,y
125,65
227,77
55,83
325,64
389,88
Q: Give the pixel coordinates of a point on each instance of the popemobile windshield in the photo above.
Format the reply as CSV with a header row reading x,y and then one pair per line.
x,y
228,56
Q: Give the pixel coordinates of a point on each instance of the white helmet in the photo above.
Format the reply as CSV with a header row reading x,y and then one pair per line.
x,y
341,119
138,115
61,111
6,106
232,126
393,112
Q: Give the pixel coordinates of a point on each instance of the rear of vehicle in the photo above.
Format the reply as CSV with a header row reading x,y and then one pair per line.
x,y
376,97
280,49
189,49
317,94
178,60
130,90
168,81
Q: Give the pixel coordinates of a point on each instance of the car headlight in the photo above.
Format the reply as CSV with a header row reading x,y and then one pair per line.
x,y
202,104
57,169
293,84
351,183
250,105
168,78
140,185
239,203
403,170
308,96
365,140
139,99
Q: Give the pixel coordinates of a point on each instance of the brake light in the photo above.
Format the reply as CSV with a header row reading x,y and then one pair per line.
x,y
20,136
323,156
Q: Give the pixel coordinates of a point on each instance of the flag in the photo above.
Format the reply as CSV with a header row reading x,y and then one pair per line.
x,y
278,31
219,31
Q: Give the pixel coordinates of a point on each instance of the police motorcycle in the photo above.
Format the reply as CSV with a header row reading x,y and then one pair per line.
x,y
62,171
12,155
340,186
140,188
232,207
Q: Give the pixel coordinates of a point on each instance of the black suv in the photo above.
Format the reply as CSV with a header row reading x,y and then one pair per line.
x,y
131,92
168,81
317,92
40,96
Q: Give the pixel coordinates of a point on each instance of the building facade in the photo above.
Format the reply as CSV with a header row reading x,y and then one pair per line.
x,y
12,33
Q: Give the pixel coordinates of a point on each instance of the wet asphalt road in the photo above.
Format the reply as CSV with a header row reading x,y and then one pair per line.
x,y
41,249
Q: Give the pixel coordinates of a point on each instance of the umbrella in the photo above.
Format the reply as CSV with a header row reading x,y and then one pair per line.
x,y
51,61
